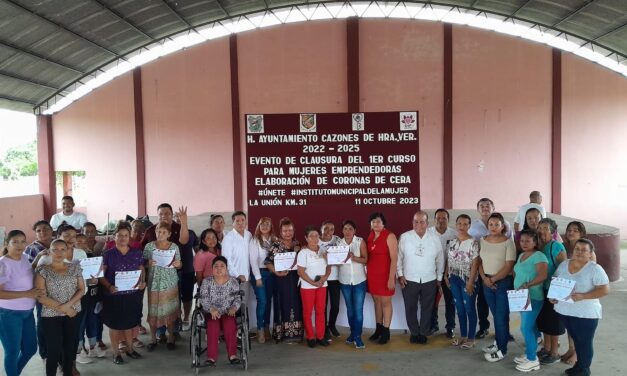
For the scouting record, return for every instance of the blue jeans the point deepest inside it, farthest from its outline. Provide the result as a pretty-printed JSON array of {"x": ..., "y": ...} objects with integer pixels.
[
  {"x": 499, "y": 306},
  {"x": 582, "y": 331},
  {"x": 19, "y": 339},
  {"x": 529, "y": 329},
  {"x": 88, "y": 325},
  {"x": 263, "y": 293},
  {"x": 354, "y": 296},
  {"x": 465, "y": 305}
]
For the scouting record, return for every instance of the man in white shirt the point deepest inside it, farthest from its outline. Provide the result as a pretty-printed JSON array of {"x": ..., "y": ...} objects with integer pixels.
[
  {"x": 68, "y": 215},
  {"x": 420, "y": 269},
  {"x": 445, "y": 234},
  {"x": 235, "y": 249},
  {"x": 535, "y": 202}
]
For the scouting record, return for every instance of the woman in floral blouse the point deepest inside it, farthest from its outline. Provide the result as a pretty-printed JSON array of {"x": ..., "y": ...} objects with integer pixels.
[{"x": 220, "y": 300}]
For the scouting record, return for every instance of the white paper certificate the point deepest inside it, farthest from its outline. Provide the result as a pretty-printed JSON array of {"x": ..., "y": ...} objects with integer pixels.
[
  {"x": 518, "y": 300},
  {"x": 561, "y": 289},
  {"x": 285, "y": 261},
  {"x": 164, "y": 258},
  {"x": 92, "y": 267},
  {"x": 337, "y": 255},
  {"x": 125, "y": 281}
]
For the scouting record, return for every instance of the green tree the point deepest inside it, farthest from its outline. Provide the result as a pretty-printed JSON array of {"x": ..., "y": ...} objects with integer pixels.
[{"x": 20, "y": 161}]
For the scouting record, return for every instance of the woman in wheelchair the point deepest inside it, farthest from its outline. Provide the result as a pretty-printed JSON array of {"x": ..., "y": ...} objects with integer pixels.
[{"x": 220, "y": 301}]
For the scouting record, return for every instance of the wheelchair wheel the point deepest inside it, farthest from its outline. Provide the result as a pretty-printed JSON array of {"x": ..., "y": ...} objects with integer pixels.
[
  {"x": 244, "y": 340},
  {"x": 197, "y": 339}
]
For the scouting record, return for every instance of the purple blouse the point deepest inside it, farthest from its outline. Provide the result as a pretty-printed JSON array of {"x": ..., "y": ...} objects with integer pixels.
[
  {"x": 115, "y": 261},
  {"x": 16, "y": 276}
]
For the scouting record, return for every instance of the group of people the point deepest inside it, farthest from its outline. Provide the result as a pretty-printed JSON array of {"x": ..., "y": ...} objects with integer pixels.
[{"x": 472, "y": 267}]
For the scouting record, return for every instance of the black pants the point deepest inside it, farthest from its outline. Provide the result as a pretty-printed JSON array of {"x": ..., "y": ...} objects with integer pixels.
[
  {"x": 449, "y": 308},
  {"x": 423, "y": 293},
  {"x": 333, "y": 299},
  {"x": 482, "y": 308},
  {"x": 60, "y": 334}
]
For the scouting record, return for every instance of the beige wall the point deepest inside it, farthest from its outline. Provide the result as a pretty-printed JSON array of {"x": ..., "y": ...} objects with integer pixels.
[
  {"x": 96, "y": 134},
  {"x": 20, "y": 213},
  {"x": 594, "y": 143},
  {"x": 501, "y": 116}
]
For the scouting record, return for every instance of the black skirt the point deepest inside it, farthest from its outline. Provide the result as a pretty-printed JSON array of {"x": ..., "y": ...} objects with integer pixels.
[
  {"x": 122, "y": 311},
  {"x": 549, "y": 321}
]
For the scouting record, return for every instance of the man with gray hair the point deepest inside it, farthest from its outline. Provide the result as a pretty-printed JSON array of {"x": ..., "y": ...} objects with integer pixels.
[{"x": 420, "y": 269}]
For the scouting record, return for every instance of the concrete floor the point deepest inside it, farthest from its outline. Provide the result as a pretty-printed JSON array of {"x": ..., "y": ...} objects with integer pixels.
[{"x": 397, "y": 358}]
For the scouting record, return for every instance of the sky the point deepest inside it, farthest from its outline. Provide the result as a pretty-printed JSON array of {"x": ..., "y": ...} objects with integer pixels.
[{"x": 16, "y": 128}]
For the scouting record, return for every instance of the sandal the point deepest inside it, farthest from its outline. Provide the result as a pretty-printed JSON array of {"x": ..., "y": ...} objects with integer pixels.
[
  {"x": 457, "y": 342},
  {"x": 210, "y": 362},
  {"x": 235, "y": 361},
  {"x": 467, "y": 345}
]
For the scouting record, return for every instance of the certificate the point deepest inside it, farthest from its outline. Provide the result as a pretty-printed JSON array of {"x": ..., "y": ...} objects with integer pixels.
[
  {"x": 561, "y": 289},
  {"x": 518, "y": 300},
  {"x": 164, "y": 259},
  {"x": 338, "y": 255},
  {"x": 284, "y": 261},
  {"x": 92, "y": 267},
  {"x": 126, "y": 281}
]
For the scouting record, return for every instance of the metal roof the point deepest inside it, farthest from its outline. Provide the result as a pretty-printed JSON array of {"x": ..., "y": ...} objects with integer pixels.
[{"x": 47, "y": 46}]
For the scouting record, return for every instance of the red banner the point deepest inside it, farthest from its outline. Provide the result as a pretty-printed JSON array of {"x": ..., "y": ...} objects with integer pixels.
[{"x": 333, "y": 166}]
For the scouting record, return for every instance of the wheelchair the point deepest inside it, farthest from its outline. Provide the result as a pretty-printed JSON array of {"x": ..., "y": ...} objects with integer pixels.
[{"x": 198, "y": 335}]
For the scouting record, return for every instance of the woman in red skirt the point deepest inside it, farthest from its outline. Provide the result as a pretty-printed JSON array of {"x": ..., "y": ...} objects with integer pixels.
[{"x": 381, "y": 274}]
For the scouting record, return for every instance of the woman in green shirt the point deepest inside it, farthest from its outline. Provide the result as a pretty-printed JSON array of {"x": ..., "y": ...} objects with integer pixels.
[{"x": 530, "y": 272}]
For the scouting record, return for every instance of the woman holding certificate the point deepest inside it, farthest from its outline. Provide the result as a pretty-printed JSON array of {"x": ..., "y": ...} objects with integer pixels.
[
  {"x": 162, "y": 259},
  {"x": 64, "y": 287},
  {"x": 581, "y": 318},
  {"x": 548, "y": 321},
  {"x": 290, "y": 329},
  {"x": 353, "y": 282},
  {"x": 17, "y": 300},
  {"x": 530, "y": 273},
  {"x": 382, "y": 258},
  {"x": 313, "y": 272},
  {"x": 122, "y": 307},
  {"x": 498, "y": 254}
]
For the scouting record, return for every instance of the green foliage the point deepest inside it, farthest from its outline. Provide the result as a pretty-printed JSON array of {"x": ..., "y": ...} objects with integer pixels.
[{"x": 19, "y": 161}]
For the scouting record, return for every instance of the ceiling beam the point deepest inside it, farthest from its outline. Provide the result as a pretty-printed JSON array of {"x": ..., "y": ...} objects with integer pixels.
[
  {"x": 61, "y": 27},
  {"x": 177, "y": 14},
  {"x": 18, "y": 100},
  {"x": 609, "y": 32},
  {"x": 124, "y": 19},
  {"x": 29, "y": 81},
  {"x": 573, "y": 13},
  {"x": 223, "y": 9},
  {"x": 37, "y": 56}
]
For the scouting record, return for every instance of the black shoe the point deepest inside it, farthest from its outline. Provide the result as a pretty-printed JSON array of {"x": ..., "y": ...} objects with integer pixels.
[
  {"x": 433, "y": 330},
  {"x": 482, "y": 333},
  {"x": 450, "y": 334},
  {"x": 322, "y": 342},
  {"x": 210, "y": 362},
  {"x": 385, "y": 336},
  {"x": 235, "y": 361},
  {"x": 118, "y": 359},
  {"x": 133, "y": 355},
  {"x": 413, "y": 339},
  {"x": 422, "y": 339},
  {"x": 334, "y": 331},
  {"x": 377, "y": 333},
  {"x": 151, "y": 346},
  {"x": 311, "y": 343}
]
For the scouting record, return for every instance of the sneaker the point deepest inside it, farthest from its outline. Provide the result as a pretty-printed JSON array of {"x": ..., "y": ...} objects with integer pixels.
[
  {"x": 359, "y": 344},
  {"x": 528, "y": 366},
  {"x": 83, "y": 357},
  {"x": 450, "y": 334},
  {"x": 494, "y": 357},
  {"x": 137, "y": 343},
  {"x": 549, "y": 359},
  {"x": 482, "y": 333},
  {"x": 490, "y": 349},
  {"x": 521, "y": 359},
  {"x": 323, "y": 342},
  {"x": 311, "y": 343},
  {"x": 186, "y": 326},
  {"x": 97, "y": 352},
  {"x": 542, "y": 353},
  {"x": 350, "y": 340}
]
